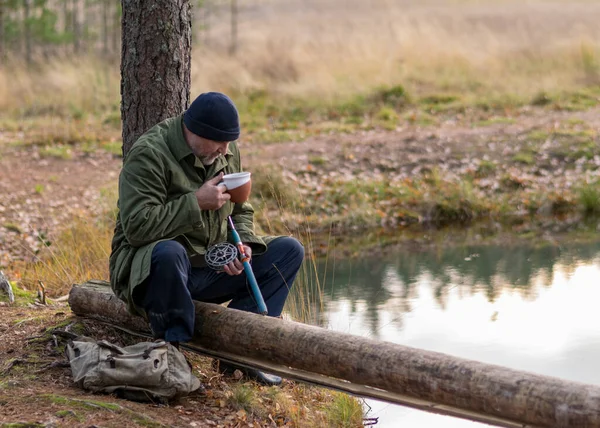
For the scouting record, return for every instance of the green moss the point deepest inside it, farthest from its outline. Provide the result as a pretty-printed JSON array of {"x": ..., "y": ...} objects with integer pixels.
[
  {"x": 573, "y": 121},
  {"x": 575, "y": 148},
  {"x": 393, "y": 96},
  {"x": 440, "y": 99},
  {"x": 59, "y": 151},
  {"x": 113, "y": 119},
  {"x": 22, "y": 425},
  {"x": 542, "y": 98},
  {"x": 13, "y": 227},
  {"x": 579, "y": 100},
  {"x": 538, "y": 135},
  {"x": 485, "y": 168},
  {"x": 496, "y": 121},
  {"x": 95, "y": 405},
  {"x": 317, "y": 160},
  {"x": 524, "y": 157},
  {"x": 22, "y": 297},
  {"x": 113, "y": 147},
  {"x": 387, "y": 118},
  {"x": 421, "y": 118},
  {"x": 69, "y": 414}
]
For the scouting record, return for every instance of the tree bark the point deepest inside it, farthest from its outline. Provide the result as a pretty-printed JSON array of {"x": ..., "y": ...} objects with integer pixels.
[
  {"x": 475, "y": 388},
  {"x": 76, "y": 28},
  {"x": 155, "y": 64}
]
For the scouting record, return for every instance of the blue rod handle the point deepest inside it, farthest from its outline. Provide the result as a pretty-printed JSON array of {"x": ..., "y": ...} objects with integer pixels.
[
  {"x": 260, "y": 302},
  {"x": 262, "y": 307}
]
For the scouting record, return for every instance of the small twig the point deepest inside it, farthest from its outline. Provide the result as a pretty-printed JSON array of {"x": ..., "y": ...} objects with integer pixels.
[
  {"x": 61, "y": 364},
  {"x": 6, "y": 286},
  {"x": 30, "y": 338},
  {"x": 12, "y": 364},
  {"x": 52, "y": 345},
  {"x": 49, "y": 349},
  {"x": 64, "y": 333},
  {"x": 367, "y": 422},
  {"x": 42, "y": 293},
  {"x": 24, "y": 321}
]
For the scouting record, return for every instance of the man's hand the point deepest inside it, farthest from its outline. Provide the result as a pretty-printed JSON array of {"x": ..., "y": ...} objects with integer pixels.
[
  {"x": 211, "y": 196},
  {"x": 236, "y": 267}
]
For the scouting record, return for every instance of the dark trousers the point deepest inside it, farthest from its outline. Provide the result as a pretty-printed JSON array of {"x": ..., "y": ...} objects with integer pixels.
[{"x": 167, "y": 293}]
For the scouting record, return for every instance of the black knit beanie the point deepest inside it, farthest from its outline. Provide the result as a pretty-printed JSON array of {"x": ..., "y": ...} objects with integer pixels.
[{"x": 213, "y": 116}]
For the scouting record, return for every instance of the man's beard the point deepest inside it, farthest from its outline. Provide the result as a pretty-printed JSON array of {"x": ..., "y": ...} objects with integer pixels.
[{"x": 209, "y": 159}]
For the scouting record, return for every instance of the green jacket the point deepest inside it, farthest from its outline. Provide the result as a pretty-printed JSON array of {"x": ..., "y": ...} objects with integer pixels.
[{"x": 157, "y": 202}]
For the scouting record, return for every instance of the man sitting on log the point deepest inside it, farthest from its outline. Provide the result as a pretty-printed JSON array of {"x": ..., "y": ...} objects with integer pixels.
[{"x": 172, "y": 209}]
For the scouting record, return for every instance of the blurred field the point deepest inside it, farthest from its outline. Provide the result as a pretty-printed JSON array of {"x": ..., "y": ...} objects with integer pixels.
[
  {"x": 332, "y": 47},
  {"x": 327, "y": 51}
]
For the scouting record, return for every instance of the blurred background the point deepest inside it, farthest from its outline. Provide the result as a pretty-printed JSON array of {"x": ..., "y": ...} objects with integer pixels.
[{"x": 319, "y": 51}]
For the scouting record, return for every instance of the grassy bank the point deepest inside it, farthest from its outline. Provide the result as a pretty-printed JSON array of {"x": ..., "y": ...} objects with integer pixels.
[{"x": 348, "y": 72}]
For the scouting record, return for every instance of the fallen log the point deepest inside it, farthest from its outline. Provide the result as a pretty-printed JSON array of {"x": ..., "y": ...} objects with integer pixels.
[{"x": 423, "y": 379}]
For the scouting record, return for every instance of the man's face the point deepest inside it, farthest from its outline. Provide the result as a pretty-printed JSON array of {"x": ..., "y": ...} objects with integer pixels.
[{"x": 205, "y": 150}]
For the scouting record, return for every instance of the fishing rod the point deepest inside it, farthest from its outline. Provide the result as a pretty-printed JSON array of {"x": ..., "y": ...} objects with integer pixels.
[{"x": 262, "y": 307}]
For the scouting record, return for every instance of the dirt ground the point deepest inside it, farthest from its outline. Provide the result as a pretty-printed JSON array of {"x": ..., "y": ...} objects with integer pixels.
[
  {"x": 36, "y": 387},
  {"x": 41, "y": 194}
]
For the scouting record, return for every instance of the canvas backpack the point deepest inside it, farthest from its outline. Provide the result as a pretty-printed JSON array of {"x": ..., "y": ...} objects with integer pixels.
[{"x": 147, "y": 371}]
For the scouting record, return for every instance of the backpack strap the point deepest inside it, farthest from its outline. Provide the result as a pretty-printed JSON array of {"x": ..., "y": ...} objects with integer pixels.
[{"x": 112, "y": 347}]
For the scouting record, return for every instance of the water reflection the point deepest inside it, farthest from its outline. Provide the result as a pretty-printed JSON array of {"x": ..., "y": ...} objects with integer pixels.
[
  {"x": 532, "y": 309},
  {"x": 369, "y": 283}
]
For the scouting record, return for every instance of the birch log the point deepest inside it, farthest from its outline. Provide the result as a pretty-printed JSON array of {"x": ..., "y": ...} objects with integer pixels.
[{"x": 520, "y": 398}]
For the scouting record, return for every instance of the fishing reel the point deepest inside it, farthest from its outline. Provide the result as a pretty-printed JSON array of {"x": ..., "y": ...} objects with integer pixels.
[{"x": 219, "y": 255}]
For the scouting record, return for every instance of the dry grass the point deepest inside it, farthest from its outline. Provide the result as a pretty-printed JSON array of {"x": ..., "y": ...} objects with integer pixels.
[
  {"x": 321, "y": 51},
  {"x": 78, "y": 252},
  {"x": 328, "y": 48},
  {"x": 59, "y": 88}
]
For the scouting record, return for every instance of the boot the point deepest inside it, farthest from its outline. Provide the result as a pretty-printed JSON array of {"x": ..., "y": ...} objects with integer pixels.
[{"x": 252, "y": 373}]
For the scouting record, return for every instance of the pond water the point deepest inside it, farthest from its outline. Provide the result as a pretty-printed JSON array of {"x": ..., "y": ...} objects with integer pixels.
[{"x": 533, "y": 309}]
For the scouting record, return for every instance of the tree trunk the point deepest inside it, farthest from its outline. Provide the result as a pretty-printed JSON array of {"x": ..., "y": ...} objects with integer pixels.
[
  {"x": 2, "y": 44},
  {"x": 76, "y": 27},
  {"x": 83, "y": 26},
  {"x": 68, "y": 20},
  {"x": 116, "y": 27},
  {"x": 485, "y": 392},
  {"x": 105, "y": 28},
  {"x": 155, "y": 64},
  {"x": 27, "y": 24}
]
